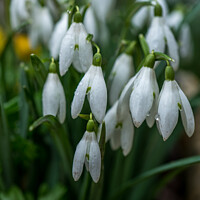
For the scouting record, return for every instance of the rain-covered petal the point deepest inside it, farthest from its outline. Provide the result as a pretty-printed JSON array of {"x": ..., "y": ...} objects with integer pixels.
[
  {"x": 115, "y": 140},
  {"x": 79, "y": 158},
  {"x": 85, "y": 49},
  {"x": 98, "y": 95},
  {"x": 127, "y": 133},
  {"x": 142, "y": 96},
  {"x": 94, "y": 159},
  {"x": 50, "y": 95},
  {"x": 120, "y": 74},
  {"x": 186, "y": 114},
  {"x": 76, "y": 61},
  {"x": 167, "y": 117},
  {"x": 155, "y": 35},
  {"x": 150, "y": 119},
  {"x": 79, "y": 95},
  {"x": 67, "y": 50},
  {"x": 172, "y": 47},
  {"x": 57, "y": 35}
]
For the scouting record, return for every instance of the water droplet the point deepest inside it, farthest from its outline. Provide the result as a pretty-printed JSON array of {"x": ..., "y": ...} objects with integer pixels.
[
  {"x": 77, "y": 93},
  {"x": 157, "y": 117},
  {"x": 148, "y": 114}
]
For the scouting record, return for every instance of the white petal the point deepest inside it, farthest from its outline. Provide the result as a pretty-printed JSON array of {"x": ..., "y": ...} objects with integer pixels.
[
  {"x": 67, "y": 50},
  {"x": 62, "y": 102},
  {"x": 79, "y": 159},
  {"x": 85, "y": 49},
  {"x": 168, "y": 108},
  {"x": 155, "y": 35},
  {"x": 150, "y": 119},
  {"x": 98, "y": 96},
  {"x": 50, "y": 95},
  {"x": 174, "y": 19},
  {"x": 90, "y": 23},
  {"x": 94, "y": 159},
  {"x": 122, "y": 71},
  {"x": 127, "y": 134},
  {"x": 80, "y": 93},
  {"x": 172, "y": 47},
  {"x": 187, "y": 114},
  {"x": 57, "y": 36},
  {"x": 76, "y": 61},
  {"x": 123, "y": 103},
  {"x": 111, "y": 121},
  {"x": 141, "y": 99},
  {"x": 115, "y": 140}
]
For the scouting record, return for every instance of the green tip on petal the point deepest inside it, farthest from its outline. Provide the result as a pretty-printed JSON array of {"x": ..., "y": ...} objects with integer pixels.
[
  {"x": 97, "y": 59},
  {"x": 90, "y": 126},
  {"x": 158, "y": 10},
  {"x": 169, "y": 73},
  {"x": 78, "y": 17},
  {"x": 150, "y": 60},
  {"x": 52, "y": 67}
]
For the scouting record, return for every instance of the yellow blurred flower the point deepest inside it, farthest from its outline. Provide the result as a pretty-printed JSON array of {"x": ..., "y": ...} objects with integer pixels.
[
  {"x": 22, "y": 47},
  {"x": 2, "y": 40}
]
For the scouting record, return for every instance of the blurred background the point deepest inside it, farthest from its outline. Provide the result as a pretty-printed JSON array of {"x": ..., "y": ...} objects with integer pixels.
[{"x": 36, "y": 164}]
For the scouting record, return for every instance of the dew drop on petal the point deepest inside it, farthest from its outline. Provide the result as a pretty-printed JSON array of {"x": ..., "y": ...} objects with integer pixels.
[{"x": 157, "y": 117}]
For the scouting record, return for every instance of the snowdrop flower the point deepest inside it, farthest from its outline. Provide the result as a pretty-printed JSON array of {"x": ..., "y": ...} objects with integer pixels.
[
  {"x": 171, "y": 100},
  {"x": 75, "y": 48},
  {"x": 88, "y": 152},
  {"x": 53, "y": 97},
  {"x": 92, "y": 84},
  {"x": 18, "y": 12},
  {"x": 185, "y": 37},
  {"x": 158, "y": 33},
  {"x": 122, "y": 71},
  {"x": 146, "y": 13},
  {"x": 57, "y": 35},
  {"x": 90, "y": 22},
  {"x": 119, "y": 129},
  {"x": 41, "y": 26}
]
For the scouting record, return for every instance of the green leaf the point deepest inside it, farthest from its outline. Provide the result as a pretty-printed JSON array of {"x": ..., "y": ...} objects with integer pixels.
[
  {"x": 144, "y": 45},
  {"x": 40, "y": 71},
  {"x": 186, "y": 162}
]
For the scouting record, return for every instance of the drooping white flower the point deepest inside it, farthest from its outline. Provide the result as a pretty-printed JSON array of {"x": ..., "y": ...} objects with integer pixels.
[
  {"x": 119, "y": 132},
  {"x": 88, "y": 152},
  {"x": 158, "y": 34},
  {"x": 53, "y": 97},
  {"x": 144, "y": 94},
  {"x": 18, "y": 12},
  {"x": 171, "y": 100},
  {"x": 185, "y": 37},
  {"x": 146, "y": 13},
  {"x": 90, "y": 22},
  {"x": 57, "y": 35},
  {"x": 122, "y": 71},
  {"x": 92, "y": 84},
  {"x": 41, "y": 26},
  {"x": 75, "y": 48}
]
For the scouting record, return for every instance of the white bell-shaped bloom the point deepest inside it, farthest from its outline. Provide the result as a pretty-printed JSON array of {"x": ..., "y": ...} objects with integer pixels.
[
  {"x": 122, "y": 71},
  {"x": 92, "y": 84},
  {"x": 120, "y": 133},
  {"x": 53, "y": 97},
  {"x": 41, "y": 26},
  {"x": 144, "y": 94},
  {"x": 157, "y": 34},
  {"x": 90, "y": 22},
  {"x": 171, "y": 100},
  {"x": 57, "y": 35},
  {"x": 76, "y": 49},
  {"x": 146, "y": 13},
  {"x": 88, "y": 152}
]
